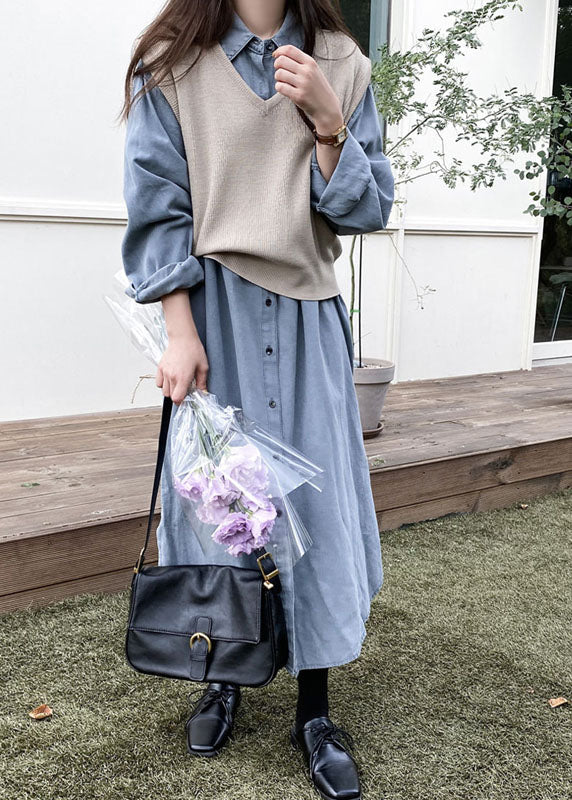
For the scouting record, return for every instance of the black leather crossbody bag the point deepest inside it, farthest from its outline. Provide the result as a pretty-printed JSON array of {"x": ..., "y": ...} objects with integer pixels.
[{"x": 205, "y": 622}]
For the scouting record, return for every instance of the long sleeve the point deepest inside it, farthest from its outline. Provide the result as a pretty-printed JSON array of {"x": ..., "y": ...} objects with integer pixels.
[
  {"x": 359, "y": 195},
  {"x": 156, "y": 247}
]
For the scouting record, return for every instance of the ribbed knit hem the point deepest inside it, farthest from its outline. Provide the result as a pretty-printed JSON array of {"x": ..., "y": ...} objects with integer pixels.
[{"x": 266, "y": 275}]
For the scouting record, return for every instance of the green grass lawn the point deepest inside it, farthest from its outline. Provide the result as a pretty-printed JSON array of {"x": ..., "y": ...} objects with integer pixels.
[{"x": 468, "y": 639}]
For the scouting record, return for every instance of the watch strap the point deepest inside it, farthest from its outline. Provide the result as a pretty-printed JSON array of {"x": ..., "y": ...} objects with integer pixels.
[{"x": 335, "y": 138}]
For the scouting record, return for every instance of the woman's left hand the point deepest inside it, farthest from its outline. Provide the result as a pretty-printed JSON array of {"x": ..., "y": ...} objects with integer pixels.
[{"x": 299, "y": 77}]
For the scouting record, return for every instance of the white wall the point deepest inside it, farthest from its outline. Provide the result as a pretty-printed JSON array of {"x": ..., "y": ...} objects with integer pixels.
[
  {"x": 61, "y": 208},
  {"x": 476, "y": 250},
  {"x": 62, "y": 218}
]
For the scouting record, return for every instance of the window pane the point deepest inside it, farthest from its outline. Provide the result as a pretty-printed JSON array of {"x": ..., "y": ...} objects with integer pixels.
[
  {"x": 554, "y": 301},
  {"x": 357, "y": 17}
]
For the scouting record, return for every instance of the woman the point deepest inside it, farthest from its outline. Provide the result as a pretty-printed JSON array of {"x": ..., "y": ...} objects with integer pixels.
[{"x": 242, "y": 167}]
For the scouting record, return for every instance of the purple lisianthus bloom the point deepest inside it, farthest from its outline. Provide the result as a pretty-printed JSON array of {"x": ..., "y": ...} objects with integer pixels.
[
  {"x": 244, "y": 468},
  {"x": 236, "y": 533},
  {"x": 262, "y": 517},
  {"x": 245, "y": 531},
  {"x": 212, "y": 513},
  {"x": 212, "y": 493},
  {"x": 219, "y": 490},
  {"x": 192, "y": 485}
]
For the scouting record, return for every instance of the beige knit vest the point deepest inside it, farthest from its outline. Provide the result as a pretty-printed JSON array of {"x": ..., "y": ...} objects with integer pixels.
[{"x": 249, "y": 168}]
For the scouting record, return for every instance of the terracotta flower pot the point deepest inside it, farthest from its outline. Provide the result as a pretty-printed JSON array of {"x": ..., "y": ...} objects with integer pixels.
[{"x": 371, "y": 381}]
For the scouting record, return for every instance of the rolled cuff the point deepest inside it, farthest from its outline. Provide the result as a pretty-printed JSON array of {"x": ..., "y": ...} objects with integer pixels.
[
  {"x": 181, "y": 275},
  {"x": 349, "y": 180}
]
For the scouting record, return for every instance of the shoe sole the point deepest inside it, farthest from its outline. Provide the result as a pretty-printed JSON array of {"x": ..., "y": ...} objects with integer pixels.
[
  {"x": 296, "y": 746},
  {"x": 203, "y": 753}
]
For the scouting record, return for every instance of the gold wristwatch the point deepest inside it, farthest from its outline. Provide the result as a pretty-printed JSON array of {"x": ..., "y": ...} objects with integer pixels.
[{"x": 335, "y": 139}]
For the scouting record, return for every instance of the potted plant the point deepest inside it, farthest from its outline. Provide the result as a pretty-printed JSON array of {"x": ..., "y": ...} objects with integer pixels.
[{"x": 372, "y": 376}]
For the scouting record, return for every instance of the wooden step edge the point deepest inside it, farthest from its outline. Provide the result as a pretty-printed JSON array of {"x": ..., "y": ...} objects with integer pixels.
[
  {"x": 468, "y": 454},
  {"x": 135, "y": 516},
  {"x": 104, "y": 582}
]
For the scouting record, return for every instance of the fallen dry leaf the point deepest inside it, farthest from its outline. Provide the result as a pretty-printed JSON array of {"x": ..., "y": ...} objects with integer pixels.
[
  {"x": 41, "y": 712},
  {"x": 554, "y": 702}
]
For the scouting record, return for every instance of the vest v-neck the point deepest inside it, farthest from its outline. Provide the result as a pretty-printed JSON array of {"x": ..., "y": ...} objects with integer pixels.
[{"x": 255, "y": 99}]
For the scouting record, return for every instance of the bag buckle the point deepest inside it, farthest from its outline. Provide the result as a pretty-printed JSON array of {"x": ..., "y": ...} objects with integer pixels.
[
  {"x": 201, "y": 635},
  {"x": 201, "y": 645},
  {"x": 266, "y": 575}
]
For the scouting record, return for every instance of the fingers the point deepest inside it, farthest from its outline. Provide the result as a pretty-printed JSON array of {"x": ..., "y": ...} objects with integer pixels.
[
  {"x": 201, "y": 376},
  {"x": 283, "y": 76},
  {"x": 290, "y": 66},
  {"x": 179, "y": 391},
  {"x": 286, "y": 70},
  {"x": 292, "y": 52},
  {"x": 294, "y": 78},
  {"x": 286, "y": 89},
  {"x": 182, "y": 363},
  {"x": 177, "y": 387}
]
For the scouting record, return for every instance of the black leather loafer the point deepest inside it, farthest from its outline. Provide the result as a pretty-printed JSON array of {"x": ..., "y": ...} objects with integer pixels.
[
  {"x": 212, "y": 718},
  {"x": 333, "y": 770}
]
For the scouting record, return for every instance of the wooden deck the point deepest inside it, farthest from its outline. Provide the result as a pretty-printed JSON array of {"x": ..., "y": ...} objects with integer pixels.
[{"x": 74, "y": 490}]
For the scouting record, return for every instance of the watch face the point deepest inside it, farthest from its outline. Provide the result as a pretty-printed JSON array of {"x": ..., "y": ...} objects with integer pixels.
[{"x": 342, "y": 136}]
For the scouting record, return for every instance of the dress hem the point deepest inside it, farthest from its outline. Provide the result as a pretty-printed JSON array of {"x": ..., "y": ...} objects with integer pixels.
[{"x": 345, "y": 660}]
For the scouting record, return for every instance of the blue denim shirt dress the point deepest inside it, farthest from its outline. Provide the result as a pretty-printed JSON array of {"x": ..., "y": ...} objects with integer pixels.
[{"x": 287, "y": 363}]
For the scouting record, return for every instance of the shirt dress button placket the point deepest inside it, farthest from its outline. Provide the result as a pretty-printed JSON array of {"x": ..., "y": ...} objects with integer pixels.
[
  {"x": 273, "y": 400},
  {"x": 269, "y": 346}
]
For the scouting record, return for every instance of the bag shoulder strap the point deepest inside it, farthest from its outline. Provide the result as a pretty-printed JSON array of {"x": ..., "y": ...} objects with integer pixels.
[
  {"x": 163, "y": 432},
  {"x": 261, "y": 553}
]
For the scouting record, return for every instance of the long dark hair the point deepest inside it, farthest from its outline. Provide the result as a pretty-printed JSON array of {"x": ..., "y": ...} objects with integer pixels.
[{"x": 183, "y": 23}]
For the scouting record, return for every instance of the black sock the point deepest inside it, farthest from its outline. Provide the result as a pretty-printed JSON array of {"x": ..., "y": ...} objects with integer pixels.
[{"x": 312, "y": 695}]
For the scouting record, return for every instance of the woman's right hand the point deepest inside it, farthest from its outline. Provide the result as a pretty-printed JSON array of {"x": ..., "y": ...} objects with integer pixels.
[{"x": 183, "y": 360}]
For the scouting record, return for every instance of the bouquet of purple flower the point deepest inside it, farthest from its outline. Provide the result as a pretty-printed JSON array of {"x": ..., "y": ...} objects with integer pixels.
[
  {"x": 232, "y": 495},
  {"x": 233, "y": 479}
]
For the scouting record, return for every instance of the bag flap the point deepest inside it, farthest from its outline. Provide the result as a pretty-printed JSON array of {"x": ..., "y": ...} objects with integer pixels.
[{"x": 168, "y": 600}]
